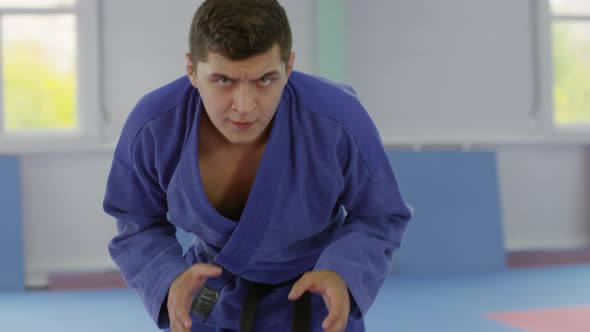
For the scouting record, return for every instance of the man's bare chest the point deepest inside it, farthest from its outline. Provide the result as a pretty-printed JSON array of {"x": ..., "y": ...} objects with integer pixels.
[{"x": 227, "y": 182}]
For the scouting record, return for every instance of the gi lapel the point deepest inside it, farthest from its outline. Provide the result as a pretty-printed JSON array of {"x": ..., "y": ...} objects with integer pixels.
[
  {"x": 204, "y": 221},
  {"x": 261, "y": 201},
  {"x": 239, "y": 241}
]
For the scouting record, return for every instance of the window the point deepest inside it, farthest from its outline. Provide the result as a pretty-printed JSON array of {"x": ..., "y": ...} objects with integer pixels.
[
  {"x": 48, "y": 68},
  {"x": 571, "y": 61}
]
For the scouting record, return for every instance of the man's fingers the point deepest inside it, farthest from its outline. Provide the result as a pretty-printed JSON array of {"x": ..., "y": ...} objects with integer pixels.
[
  {"x": 200, "y": 271},
  {"x": 305, "y": 283},
  {"x": 178, "y": 313},
  {"x": 297, "y": 289},
  {"x": 183, "y": 318},
  {"x": 338, "y": 323},
  {"x": 175, "y": 324},
  {"x": 335, "y": 313},
  {"x": 182, "y": 291},
  {"x": 335, "y": 323},
  {"x": 199, "y": 274},
  {"x": 178, "y": 326},
  {"x": 180, "y": 322},
  {"x": 178, "y": 310},
  {"x": 337, "y": 318}
]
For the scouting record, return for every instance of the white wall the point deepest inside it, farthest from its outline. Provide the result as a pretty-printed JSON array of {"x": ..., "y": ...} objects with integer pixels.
[
  {"x": 543, "y": 188},
  {"x": 64, "y": 226},
  {"x": 144, "y": 46},
  {"x": 453, "y": 68},
  {"x": 545, "y": 192}
]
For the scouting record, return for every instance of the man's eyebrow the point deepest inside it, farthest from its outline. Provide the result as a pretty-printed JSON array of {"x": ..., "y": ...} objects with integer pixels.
[
  {"x": 219, "y": 75},
  {"x": 269, "y": 73}
]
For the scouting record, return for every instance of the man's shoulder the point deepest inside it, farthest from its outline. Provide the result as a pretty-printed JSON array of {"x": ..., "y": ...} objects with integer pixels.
[
  {"x": 314, "y": 91},
  {"x": 162, "y": 100},
  {"x": 171, "y": 97},
  {"x": 337, "y": 105},
  {"x": 163, "y": 107},
  {"x": 320, "y": 97}
]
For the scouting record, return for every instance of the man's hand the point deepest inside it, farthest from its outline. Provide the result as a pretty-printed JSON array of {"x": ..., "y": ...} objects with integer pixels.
[
  {"x": 334, "y": 292},
  {"x": 181, "y": 293}
]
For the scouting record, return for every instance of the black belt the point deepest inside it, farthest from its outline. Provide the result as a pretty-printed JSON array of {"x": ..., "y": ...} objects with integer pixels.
[
  {"x": 208, "y": 296},
  {"x": 301, "y": 314}
]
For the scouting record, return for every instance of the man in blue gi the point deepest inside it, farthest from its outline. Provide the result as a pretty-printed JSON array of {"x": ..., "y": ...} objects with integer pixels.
[{"x": 281, "y": 176}]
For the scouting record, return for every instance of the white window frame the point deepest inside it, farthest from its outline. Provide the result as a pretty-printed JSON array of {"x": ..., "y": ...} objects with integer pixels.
[{"x": 89, "y": 108}]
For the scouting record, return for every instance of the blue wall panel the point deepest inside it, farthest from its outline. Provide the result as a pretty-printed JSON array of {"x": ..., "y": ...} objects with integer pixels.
[
  {"x": 11, "y": 234},
  {"x": 457, "y": 225}
]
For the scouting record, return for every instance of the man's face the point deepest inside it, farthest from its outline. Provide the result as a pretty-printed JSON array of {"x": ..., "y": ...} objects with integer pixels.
[{"x": 241, "y": 97}]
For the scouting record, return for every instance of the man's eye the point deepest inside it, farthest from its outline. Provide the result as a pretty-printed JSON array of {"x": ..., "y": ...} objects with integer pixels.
[
  {"x": 266, "y": 80},
  {"x": 223, "y": 81}
]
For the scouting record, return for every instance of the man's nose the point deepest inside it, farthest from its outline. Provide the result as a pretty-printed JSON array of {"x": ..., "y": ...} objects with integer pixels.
[{"x": 244, "y": 99}]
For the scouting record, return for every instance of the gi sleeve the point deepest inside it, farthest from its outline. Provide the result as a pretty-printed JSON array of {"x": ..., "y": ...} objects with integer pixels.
[
  {"x": 145, "y": 249},
  {"x": 377, "y": 216}
]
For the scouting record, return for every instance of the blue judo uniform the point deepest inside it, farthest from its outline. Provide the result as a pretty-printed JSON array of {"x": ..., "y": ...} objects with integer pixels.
[{"x": 324, "y": 198}]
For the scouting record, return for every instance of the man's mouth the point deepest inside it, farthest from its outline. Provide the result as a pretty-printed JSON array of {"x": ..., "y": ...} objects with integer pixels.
[{"x": 242, "y": 125}]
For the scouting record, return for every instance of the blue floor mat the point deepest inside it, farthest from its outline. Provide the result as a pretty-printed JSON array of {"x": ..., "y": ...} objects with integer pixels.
[{"x": 406, "y": 303}]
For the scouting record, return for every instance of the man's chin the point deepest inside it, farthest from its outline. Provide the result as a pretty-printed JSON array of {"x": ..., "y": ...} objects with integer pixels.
[{"x": 242, "y": 140}]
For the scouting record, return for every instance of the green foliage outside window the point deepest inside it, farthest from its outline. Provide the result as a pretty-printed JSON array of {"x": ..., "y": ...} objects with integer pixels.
[
  {"x": 37, "y": 95},
  {"x": 571, "y": 61}
]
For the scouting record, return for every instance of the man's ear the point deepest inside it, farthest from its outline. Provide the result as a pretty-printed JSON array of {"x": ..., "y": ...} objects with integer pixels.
[
  {"x": 290, "y": 64},
  {"x": 191, "y": 70}
]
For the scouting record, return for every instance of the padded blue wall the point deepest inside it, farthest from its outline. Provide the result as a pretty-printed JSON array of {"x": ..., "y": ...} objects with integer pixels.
[
  {"x": 457, "y": 225},
  {"x": 11, "y": 234}
]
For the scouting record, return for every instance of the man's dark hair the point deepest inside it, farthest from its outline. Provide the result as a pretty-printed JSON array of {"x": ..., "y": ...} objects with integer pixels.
[{"x": 239, "y": 29}]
